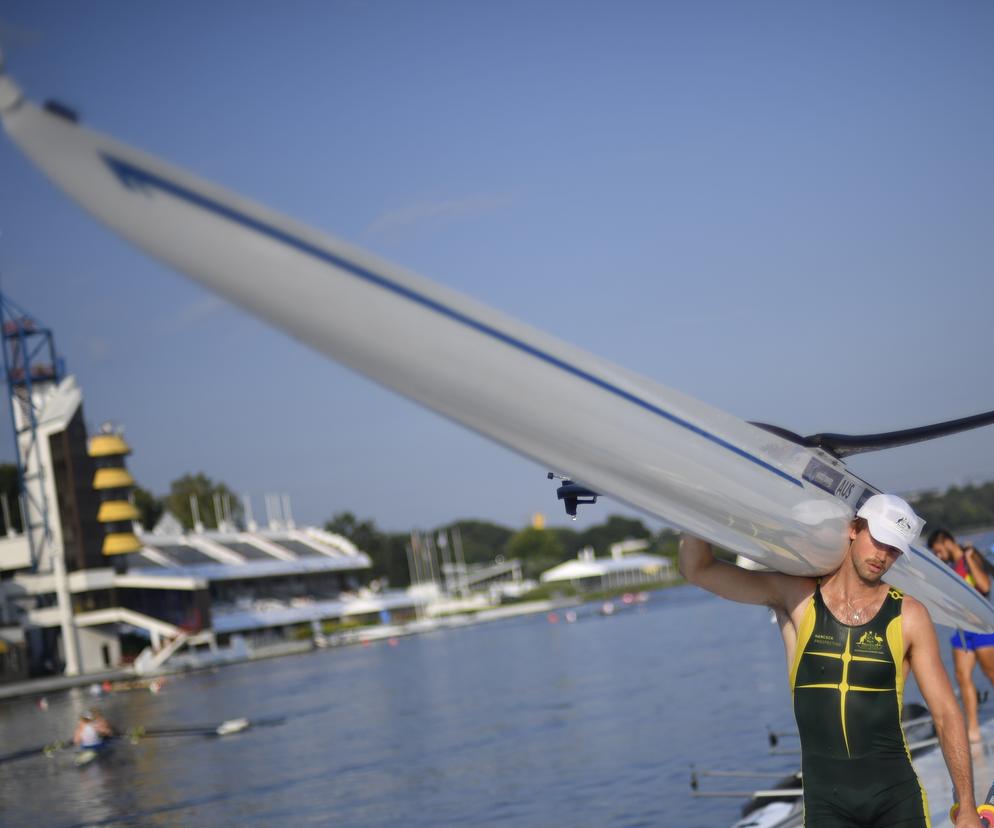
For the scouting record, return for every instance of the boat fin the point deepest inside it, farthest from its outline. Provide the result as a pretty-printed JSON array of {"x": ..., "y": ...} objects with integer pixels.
[{"x": 844, "y": 445}]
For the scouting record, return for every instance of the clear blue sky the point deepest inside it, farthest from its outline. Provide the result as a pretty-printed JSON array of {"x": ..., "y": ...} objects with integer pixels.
[{"x": 784, "y": 209}]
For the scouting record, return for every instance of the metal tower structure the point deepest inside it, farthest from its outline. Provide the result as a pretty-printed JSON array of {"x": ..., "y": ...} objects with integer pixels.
[
  {"x": 42, "y": 402},
  {"x": 31, "y": 367}
]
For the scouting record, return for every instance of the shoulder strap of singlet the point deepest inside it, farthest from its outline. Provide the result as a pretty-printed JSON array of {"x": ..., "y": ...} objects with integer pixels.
[
  {"x": 895, "y": 641},
  {"x": 894, "y": 602}
]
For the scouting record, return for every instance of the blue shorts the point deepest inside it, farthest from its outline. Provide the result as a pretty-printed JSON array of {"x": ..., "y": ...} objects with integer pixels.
[{"x": 962, "y": 640}]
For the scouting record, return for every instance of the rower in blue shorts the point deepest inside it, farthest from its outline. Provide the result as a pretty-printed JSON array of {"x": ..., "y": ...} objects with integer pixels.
[{"x": 968, "y": 647}]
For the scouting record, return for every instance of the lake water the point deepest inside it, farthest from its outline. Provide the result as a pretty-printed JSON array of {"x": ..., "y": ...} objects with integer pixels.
[{"x": 514, "y": 723}]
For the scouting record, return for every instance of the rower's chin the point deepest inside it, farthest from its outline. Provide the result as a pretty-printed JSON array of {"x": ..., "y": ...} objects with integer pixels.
[{"x": 872, "y": 576}]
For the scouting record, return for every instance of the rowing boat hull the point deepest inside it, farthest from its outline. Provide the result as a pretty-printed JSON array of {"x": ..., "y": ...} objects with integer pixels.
[
  {"x": 780, "y": 504},
  {"x": 87, "y": 756}
]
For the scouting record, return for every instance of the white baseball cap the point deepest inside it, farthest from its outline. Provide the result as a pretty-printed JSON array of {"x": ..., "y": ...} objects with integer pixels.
[{"x": 892, "y": 521}]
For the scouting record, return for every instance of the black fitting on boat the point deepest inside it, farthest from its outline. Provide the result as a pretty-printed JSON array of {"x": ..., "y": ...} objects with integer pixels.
[
  {"x": 62, "y": 111},
  {"x": 573, "y": 495}
]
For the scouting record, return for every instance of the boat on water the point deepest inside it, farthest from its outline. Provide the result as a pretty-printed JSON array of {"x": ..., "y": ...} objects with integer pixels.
[{"x": 88, "y": 755}]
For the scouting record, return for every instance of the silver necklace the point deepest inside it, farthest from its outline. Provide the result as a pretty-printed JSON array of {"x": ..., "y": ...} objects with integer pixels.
[{"x": 854, "y": 613}]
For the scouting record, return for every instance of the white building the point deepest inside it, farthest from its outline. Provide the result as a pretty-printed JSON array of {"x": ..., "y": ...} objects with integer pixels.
[{"x": 618, "y": 570}]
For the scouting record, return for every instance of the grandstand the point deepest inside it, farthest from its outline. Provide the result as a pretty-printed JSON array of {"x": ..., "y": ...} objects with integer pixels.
[
  {"x": 200, "y": 589},
  {"x": 83, "y": 589}
]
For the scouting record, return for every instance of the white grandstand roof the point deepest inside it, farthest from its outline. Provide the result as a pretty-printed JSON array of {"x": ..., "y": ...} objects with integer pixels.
[
  {"x": 228, "y": 555},
  {"x": 578, "y": 569}
]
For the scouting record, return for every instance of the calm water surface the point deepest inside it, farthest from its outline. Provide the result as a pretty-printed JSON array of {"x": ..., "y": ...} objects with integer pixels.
[{"x": 514, "y": 723}]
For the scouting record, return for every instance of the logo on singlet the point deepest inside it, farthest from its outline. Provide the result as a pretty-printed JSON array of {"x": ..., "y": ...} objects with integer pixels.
[{"x": 870, "y": 641}]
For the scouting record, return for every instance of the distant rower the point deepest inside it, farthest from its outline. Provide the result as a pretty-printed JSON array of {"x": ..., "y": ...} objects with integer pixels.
[{"x": 91, "y": 731}]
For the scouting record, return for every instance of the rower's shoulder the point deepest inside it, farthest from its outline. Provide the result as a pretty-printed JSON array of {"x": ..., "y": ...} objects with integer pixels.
[
  {"x": 915, "y": 616},
  {"x": 912, "y": 607}
]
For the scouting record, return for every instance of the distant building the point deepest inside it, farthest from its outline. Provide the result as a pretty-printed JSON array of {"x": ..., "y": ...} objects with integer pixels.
[
  {"x": 198, "y": 589},
  {"x": 500, "y": 579},
  {"x": 627, "y": 565},
  {"x": 84, "y": 589}
]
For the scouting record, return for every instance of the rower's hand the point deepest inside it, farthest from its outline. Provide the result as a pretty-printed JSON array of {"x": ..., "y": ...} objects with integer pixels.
[{"x": 969, "y": 819}]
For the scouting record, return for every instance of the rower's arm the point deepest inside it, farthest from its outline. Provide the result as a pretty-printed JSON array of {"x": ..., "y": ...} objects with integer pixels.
[
  {"x": 976, "y": 567},
  {"x": 923, "y": 656},
  {"x": 700, "y": 567}
]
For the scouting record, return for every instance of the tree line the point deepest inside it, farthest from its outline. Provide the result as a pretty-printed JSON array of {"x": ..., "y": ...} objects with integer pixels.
[
  {"x": 483, "y": 542},
  {"x": 958, "y": 508}
]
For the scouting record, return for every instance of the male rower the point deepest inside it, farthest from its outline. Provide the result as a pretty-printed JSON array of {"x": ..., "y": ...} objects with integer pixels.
[
  {"x": 850, "y": 641},
  {"x": 91, "y": 731}
]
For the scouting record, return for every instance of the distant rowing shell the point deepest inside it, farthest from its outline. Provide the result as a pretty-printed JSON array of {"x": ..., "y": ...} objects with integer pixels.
[
  {"x": 86, "y": 756},
  {"x": 757, "y": 493}
]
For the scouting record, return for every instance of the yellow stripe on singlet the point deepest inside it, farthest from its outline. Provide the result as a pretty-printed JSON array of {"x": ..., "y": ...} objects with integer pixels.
[
  {"x": 895, "y": 640},
  {"x": 844, "y": 688},
  {"x": 803, "y": 637}
]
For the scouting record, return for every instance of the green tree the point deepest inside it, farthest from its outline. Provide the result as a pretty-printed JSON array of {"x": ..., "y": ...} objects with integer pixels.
[
  {"x": 149, "y": 506},
  {"x": 958, "y": 508},
  {"x": 203, "y": 488},
  {"x": 615, "y": 529},
  {"x": 600, "y": 536},
  {"x": 571, "y": 540},
  {"x": 537, "y": 549},
  {"x": 388, "y": 552},
  {"x": 666, "y": 542},
  {"x": 481, "y": 541}
]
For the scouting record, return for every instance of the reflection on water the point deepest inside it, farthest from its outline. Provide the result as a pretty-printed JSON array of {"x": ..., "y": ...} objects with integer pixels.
[{"x": 517, "y": 723}]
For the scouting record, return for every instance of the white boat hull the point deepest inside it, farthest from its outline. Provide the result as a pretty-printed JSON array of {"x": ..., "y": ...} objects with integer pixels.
[{"x": 775, "y": 502}]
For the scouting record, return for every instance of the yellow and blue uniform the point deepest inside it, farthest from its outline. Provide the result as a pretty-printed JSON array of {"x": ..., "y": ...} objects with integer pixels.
[
  {"x": 963, "y": 640},
  {"x": 848, "y": 688}
]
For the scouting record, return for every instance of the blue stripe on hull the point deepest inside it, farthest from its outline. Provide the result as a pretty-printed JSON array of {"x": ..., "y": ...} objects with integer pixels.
[{"x": 135, "y": 178}]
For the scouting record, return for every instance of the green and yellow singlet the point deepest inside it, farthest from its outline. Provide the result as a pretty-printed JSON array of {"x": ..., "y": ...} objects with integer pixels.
[{"x": 848, "y": 688}]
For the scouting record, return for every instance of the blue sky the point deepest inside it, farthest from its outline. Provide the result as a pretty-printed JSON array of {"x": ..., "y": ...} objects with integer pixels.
[{"x": 785, "y": 210}]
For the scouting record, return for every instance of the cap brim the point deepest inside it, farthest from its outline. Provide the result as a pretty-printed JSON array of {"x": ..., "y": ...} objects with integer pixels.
[{"x": 882, "y": 534}]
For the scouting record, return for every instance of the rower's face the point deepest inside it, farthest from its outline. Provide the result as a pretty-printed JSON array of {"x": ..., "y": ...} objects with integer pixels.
[
  {"x": 940, "y": 550},
  {"x": 871, "y": 558}
]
